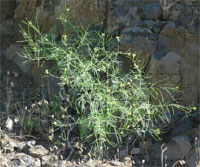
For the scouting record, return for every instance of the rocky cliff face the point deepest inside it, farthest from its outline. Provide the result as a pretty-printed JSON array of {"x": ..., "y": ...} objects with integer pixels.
[{"x": 165, "y": 33}]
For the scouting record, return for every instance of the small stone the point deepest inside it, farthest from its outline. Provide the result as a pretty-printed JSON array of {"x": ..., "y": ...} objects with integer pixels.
[
  {"x": 8, "y": 144},
  {"x": 90, "y": 163},
  {"x": 48, "y": 159},
  {"x": 123, "y": 153},
  {"x": 128, "y": 162},
  {"x": 25, "y": 146},
  {"x": 38, "y": 151},
  {"x": 3, "y": 162},
  {"x": 22, "y": 160},
  {"x": 64, "y": 163},
  {"x": 115, "y": 163},
  {"x": 136, "y": 151},
  {"x": 21, "y": 146}
]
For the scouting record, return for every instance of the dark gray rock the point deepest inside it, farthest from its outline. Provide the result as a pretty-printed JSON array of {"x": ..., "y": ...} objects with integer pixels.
[
  {"x": 1, "y": 71},
  {"x": 163, "y": 41},
  {"x": 24, "y": 66},
  {"x": 118, "y": 3},
  {"x": 136, "y": 31},
  {"x": 123, "y": 152},
  {"x": 2, "y": 106},
  {"x": 138, "y": 44},
  {"x": 143, "y": 23},
  {"x": 185, "y": 21},
  {"x": 192, "y": 158},
  {"x": 153, "y": 37},
  {"x": 151, "y": 11},
  {"x": 160, "y": 53},
  {"x": 183, "y": 127},
  {"x": 51, "y": 86},
  {"x": 172, "y": 150},
  {"x": 158, "y": 26},
  {"x": 184, "y": 143},
  {"x": 119, "y": 11},
  {"x": 7, "y": 8}
]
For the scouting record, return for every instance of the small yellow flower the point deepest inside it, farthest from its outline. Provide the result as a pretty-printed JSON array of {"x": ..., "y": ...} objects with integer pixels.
[
  {"x": 128, "y": 113},
  {"x": 194, "y": 108},
  {"x": 51, "y": 130},
  {"x": 133, "y": 55},
  {"x": 64, "y": 37},
  {"x": 46, "y": 71},
  {"x": 67, "y": 9},
  {"x": 30, "y": 22},
  {"x": 136, "y": 66},
  {"x": 51, "y": 137},
  {"x": 118, "y": 38},
  {"x": 122, "y": 85}
]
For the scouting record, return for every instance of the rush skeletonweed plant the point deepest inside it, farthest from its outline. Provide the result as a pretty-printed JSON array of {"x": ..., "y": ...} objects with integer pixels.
[{"x": 107, "y": 103}]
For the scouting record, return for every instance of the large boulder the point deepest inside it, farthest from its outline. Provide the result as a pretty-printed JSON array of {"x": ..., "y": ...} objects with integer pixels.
[
  {"x": 186, "y": 44},
  {"x": 7, "y": 8},
  {"x": 84, "y": 12},
  {"x": 138, "y": 44},
  {"x": 151, "y": 11},
  {"x": 15, "y": 54},
  {"x": 34, "y": 10}
]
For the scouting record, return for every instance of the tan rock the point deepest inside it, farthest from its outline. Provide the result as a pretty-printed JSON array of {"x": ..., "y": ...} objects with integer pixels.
[{"x": 38, "y": 151}]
